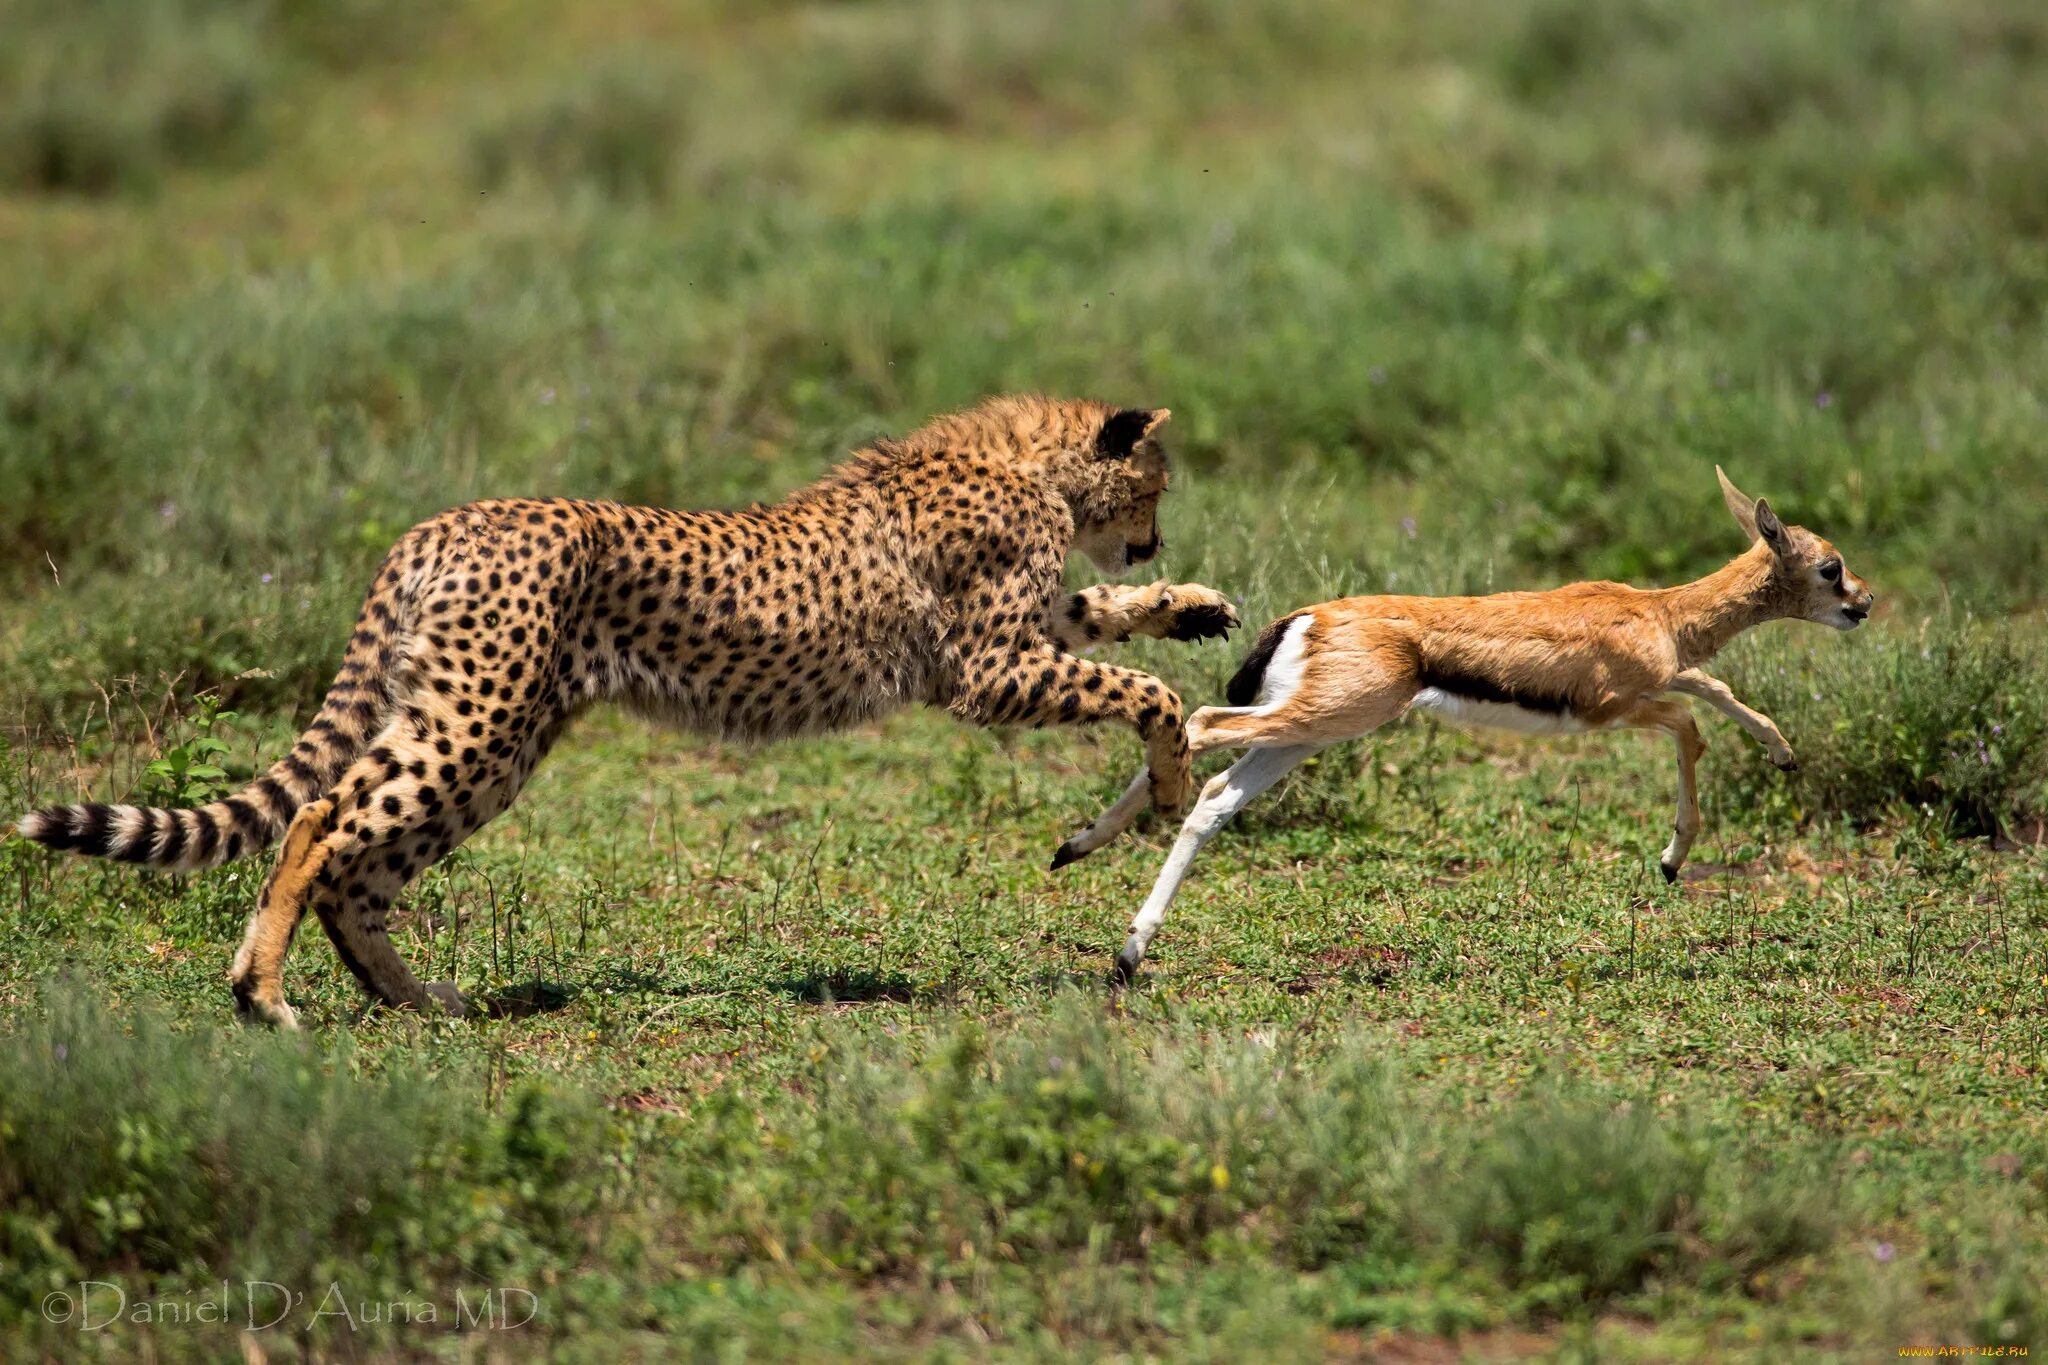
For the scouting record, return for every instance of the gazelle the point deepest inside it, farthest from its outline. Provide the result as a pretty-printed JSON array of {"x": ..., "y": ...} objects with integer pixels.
[{"x": 1591, "y": 656}]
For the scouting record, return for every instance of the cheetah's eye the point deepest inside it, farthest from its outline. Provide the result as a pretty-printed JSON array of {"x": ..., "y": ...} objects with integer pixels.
[{"x": 1832, "y": 570}]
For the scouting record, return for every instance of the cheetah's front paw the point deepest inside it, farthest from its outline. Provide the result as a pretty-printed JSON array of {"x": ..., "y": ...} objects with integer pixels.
[{"x": 1194, "y": 612}]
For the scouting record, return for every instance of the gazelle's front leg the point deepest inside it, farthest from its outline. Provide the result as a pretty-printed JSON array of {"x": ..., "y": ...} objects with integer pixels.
[
  {"x": 1673, "y": 719},
  {"x": 1116, "y": 611},
  {"x": 1755, "y": 724}
]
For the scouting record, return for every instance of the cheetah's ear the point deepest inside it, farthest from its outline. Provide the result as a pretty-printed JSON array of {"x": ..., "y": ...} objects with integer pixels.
[{"x": 1122, "y": 432}]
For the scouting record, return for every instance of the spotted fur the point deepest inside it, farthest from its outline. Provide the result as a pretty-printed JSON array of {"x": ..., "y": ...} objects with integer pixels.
[{"x": 925, "y": 569}]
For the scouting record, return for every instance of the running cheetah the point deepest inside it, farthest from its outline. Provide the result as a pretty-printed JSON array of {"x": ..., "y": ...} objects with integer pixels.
[{"x": 925, "y": 569}]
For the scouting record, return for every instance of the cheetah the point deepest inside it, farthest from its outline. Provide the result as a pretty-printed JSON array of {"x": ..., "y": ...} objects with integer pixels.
[{"x": 923, "y": 569}]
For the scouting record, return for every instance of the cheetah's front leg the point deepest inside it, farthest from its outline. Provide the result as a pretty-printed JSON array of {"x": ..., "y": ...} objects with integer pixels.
[
  {"x": 1117, "y": 611},
  {"x": 1041, "y": 686}
]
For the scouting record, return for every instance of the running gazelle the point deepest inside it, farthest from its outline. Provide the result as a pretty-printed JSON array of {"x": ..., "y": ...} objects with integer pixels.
[{"x": 1591, "y": 656}]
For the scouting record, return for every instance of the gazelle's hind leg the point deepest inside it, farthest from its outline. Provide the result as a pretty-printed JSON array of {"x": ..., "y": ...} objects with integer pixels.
[
  {"x": 1674, "y": 719},
  {"x": 1227, "y": 793},
  {"x": 1330, "y": 704}
]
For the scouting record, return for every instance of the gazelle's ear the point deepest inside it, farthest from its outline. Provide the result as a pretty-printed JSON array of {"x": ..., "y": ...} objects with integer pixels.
[
  {"x": 1771, "y": 529},
  {"x": 1740, "y": 505},
  {"x": 1122, "y": 432}
]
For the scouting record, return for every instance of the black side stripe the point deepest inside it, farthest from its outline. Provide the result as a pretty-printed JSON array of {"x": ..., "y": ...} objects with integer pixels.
[{"x": 1475, "y": 687}]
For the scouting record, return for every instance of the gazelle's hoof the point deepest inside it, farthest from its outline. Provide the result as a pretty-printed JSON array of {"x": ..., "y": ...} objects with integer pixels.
[
  {"x": 1126, "y": 968},
  {"x": 1670, "y": 872},
  {"x": 1067, "y": 853}
]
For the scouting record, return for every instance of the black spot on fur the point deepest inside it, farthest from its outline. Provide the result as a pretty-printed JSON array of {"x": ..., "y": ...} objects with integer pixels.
[{"x": 1243, "y": 687}]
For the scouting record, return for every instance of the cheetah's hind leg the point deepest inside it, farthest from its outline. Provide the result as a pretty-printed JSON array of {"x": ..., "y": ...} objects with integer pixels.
[
  {"x": 1112, "y": 822},
  {"x": 257, "y": 977}
]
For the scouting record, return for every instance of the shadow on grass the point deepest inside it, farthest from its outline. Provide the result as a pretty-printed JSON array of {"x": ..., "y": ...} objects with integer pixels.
[
  {"x": 850, "y": 988},
  {"x": 825, "y": 986},
  {"x": 821, "y": 987},
  {"x": 527, "y": 999}
]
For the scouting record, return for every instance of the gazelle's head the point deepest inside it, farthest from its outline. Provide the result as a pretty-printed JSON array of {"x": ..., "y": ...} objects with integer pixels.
[{"x": 1809, "y": 573}]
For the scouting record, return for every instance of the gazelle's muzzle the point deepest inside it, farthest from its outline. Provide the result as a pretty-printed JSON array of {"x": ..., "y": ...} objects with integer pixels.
[{"x": 1857, "y": 609}]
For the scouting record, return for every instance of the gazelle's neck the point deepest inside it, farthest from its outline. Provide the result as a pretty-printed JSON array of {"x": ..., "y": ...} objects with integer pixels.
[{"x": 1709, "y": 612}]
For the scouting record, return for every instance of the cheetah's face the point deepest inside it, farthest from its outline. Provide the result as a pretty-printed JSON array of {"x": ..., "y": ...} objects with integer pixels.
[{"x": 1116, "y": 511}]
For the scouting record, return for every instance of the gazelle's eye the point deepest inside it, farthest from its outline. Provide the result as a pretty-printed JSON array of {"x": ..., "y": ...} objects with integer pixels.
[{"x": 1832, "y": 570}]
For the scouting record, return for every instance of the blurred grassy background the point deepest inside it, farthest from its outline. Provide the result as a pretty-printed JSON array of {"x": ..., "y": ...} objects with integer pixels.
[
  {"x": 288, "y": 276},
  {"x": 1462, "y": 295}
]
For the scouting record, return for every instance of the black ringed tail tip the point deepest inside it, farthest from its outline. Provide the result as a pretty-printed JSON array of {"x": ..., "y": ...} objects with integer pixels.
[{"x": 72, "y": 829}]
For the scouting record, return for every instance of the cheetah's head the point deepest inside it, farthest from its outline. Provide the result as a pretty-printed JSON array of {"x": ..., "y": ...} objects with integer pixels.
[{"x": 1114, "y": 490}]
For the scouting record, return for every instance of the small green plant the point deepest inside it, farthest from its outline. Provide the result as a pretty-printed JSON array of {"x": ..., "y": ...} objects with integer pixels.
[
  {"x": 1944, "y": 720},
  {"x": 191, "y": 773}
]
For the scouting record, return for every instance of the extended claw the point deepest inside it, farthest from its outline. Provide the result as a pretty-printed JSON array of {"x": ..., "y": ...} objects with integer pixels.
[{"x": 1203, "y": 620}]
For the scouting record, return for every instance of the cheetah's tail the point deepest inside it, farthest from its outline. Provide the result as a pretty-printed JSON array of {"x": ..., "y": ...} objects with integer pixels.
[{"x": 355, "y": 708}]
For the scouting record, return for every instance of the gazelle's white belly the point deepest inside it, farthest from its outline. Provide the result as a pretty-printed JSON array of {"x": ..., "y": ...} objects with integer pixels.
[{"x": 1495, "y": 715}]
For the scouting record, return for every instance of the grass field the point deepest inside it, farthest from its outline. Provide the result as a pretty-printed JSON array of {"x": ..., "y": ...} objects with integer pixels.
[{"x": 799, "y": 1049}]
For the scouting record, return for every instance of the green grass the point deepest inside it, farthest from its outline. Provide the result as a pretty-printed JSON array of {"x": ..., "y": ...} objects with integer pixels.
[{"x": 800, "y": 1048}]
